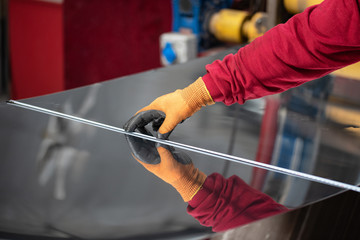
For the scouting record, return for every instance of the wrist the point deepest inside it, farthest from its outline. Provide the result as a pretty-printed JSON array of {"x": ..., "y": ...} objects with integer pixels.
[
  {"x": 196, "y": 95},
  {"x": 190, "y": 184}
]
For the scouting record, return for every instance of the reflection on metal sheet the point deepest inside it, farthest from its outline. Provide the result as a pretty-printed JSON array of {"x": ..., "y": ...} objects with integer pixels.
[{"x": 61, "y": 178}]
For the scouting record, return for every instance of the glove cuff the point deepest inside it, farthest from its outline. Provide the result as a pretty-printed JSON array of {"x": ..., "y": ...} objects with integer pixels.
[
  {"x": 196, "y": 95},
  {"x": 190, "y": 184}
]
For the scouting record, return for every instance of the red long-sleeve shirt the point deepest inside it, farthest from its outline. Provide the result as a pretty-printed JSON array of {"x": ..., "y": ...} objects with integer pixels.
[{"x": 314, "y": 43}]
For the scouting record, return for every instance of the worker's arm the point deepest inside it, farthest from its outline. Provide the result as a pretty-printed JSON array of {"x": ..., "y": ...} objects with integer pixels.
[
  {"x": 228, "y": 203},
  {"x": 311, "y": 44}
]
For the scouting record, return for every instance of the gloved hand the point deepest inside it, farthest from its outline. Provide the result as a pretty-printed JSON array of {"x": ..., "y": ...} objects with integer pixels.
[
  {"x": 179, "y": 105},
  {"x": 165, "y": 162}
]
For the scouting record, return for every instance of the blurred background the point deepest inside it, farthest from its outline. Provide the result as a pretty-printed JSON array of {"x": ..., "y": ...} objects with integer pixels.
[{"x": 55, "y": 45}]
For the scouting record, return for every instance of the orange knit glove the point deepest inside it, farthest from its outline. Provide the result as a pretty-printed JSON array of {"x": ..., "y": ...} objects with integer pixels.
[
  {"x": 179, "y": 105},
  {"x": 171, "y": 166}
]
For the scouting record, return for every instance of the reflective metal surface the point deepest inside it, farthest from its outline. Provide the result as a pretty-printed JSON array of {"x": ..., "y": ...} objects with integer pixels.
[
  {"x": 201, "y": 151},
  {"x": 62, "y": 178}
]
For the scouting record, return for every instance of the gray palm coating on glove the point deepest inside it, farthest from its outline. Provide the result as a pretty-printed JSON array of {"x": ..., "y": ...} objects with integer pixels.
[{"x": 145, "y": 150}]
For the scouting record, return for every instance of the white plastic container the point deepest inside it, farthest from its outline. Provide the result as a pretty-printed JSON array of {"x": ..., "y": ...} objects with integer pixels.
[{"x": 177, "y": 48}]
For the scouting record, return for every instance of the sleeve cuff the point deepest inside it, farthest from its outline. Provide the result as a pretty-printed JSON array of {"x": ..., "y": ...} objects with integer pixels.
[
  {"x": 203, "y": 193},
  {"x": 212, "y": 89}
]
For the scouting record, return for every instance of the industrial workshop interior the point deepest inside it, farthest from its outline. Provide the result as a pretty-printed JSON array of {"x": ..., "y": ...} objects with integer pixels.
[{"x": 180, "y": 119}]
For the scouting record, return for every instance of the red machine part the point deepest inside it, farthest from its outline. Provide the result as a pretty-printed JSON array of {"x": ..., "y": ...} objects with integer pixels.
[
  {"x": 36, "y": 48},
  {"x": 268, "y": 131},
  {"x": 58, "y": 45}
]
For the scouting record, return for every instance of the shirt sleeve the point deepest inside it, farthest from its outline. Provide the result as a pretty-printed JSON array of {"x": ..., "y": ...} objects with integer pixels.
[
  {"x": 227, "y": 203},
  {"x": 311, "y": 44}
]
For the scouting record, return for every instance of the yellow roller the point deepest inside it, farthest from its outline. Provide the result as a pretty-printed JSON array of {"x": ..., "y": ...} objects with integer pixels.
[
  {"x": 256, "y": 26},
  {"x": 351, "y": 72},
  {"x": 227, "y": 24},
  {"x": 298, "y": 6},
  {"x": 345, "y": 116}
]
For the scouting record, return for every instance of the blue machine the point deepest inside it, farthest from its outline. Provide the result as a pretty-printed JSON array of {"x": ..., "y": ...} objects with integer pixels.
[{"x": 194, "y": 15}]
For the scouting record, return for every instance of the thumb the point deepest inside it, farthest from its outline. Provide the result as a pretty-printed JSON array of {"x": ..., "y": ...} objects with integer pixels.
[{"x": 168, "y": 126}]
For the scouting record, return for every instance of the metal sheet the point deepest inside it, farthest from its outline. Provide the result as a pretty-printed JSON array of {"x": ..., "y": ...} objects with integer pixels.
[
  {"x": 62, "y": 178},
  {"x": 202, "y": 151}
]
